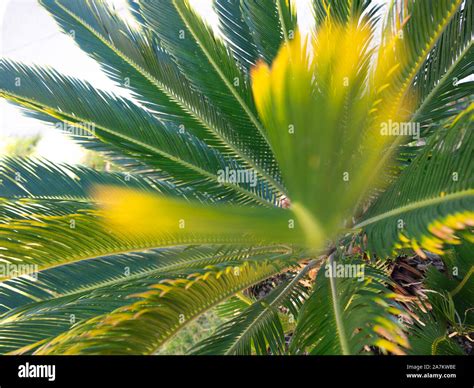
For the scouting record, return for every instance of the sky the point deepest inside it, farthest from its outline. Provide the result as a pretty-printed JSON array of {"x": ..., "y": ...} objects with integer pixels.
[{"x": 29, "y": 34}]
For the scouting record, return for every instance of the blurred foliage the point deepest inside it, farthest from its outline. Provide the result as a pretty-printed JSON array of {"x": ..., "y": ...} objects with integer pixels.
[
  {"x": 96, "y": 161},
  {"x": 191, "y": 334},
  {"x": 22, "y": 146}
]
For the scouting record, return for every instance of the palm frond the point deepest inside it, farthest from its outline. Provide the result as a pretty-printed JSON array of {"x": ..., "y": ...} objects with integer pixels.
[
  {"x": 108, "y": 270},
  {"x": 440, "y": 83},
  {"x": 345, "y": 12},
  {"x": 31, "y": 238},
  {"x": 134, "y": 220},
  {"x": 132, "y": 57},
  {"x": 345, "y": 315},
  {"x": 119, "y": 153},
  {"x": 446, "y": 314},
  {"x": 210, "y": 67},
  {"x": 41, "y": 179},
  {"x": 67, "y": 295},
  {"x": 108, "y": 117},
  {"x": 454, "y": 286},
  {"x": 127, "y": 55},
  {"x": 148, "y": 216},
  {"x": 432, "y": 199},
  {"x": 428, "y": 335},
  {"x": 159, "y": 313},
  {"x": 271, "y": 24},
  {"x": 258, "y": 327},
  {"x": 420, "y": 29},
  {"x": 236, "y": 32}
]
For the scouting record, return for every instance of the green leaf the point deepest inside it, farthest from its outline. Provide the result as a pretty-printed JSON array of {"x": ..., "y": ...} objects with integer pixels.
[
  {"x": 257, "y": 327},
  {"x": 344, "y": 315},
  {"x": 432, "y": 199},
  {"x": 451, "y": 297},
  {"x": 84, "y": 235},
  {"x": 440, "y": 83},
  {"x": 236, "y": 32},
  {"x": 428, "y": 335},
  {"x": 270, "y": 23},
  {"x": 111, "y": 118},
  {"x": 67, "y": 295},
  {"x": 454, "y": 286},
  {"x": 159, "y": 313},
  {"x": 41, "y": 179},
  {"x": 129, "y": 53},
  {"x": 146, "y": 216},
  {"x": 211, "y": 69},
  {"x": 343, "y": 11},
  {"x": 124, "y": 53},
  {"x": 129, "y": 221}
]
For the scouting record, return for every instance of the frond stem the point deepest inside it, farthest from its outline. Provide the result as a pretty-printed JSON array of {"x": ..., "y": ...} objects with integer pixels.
[{"x": 337, "y": 312}]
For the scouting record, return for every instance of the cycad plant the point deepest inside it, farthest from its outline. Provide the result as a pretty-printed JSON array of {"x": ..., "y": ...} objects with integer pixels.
[{"x": 247, "y": 152}]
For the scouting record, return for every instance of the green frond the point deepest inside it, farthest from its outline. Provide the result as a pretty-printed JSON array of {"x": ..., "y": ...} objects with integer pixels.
[
  {"x": 31, "y": 239},
  {"x": 432, "y": 200},
  {"x": 108, "y": 117},
  {"x": 428, "y": 335},
  {"x": 159, "y": 312},
  {"x": 440, "y": 84},
  {"x": 419, "y": 25},
  {"x": 233, "y": 306},
  {"x": 131, "y": 58},
  {"x": 450, "y": 299},
  {"x": 236, "y": 33},
  {"x": 455, "y": 286},
  {"x": 210, "y": 67},
  {"x": 86, "y": 275},
  {"x": 258, "y": 327},
  {"x": 67, "y": 295},
  {"x": 127, "y": 56},
  {"x": 148, "y": 217},
  {"x": 347, "y": 315},
  {"x": 130, "y": 220},
  {"x": 120, "y": 153},
  {"x": 271, "y": 24},
  {"x": 41, "y": 179},
  {"x": 343, "y": 11}
]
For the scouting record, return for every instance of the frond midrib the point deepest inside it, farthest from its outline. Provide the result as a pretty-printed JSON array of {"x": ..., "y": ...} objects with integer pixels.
[
  {"x": 72, "y": 198},
  {"x": 338, "y": 312}
]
